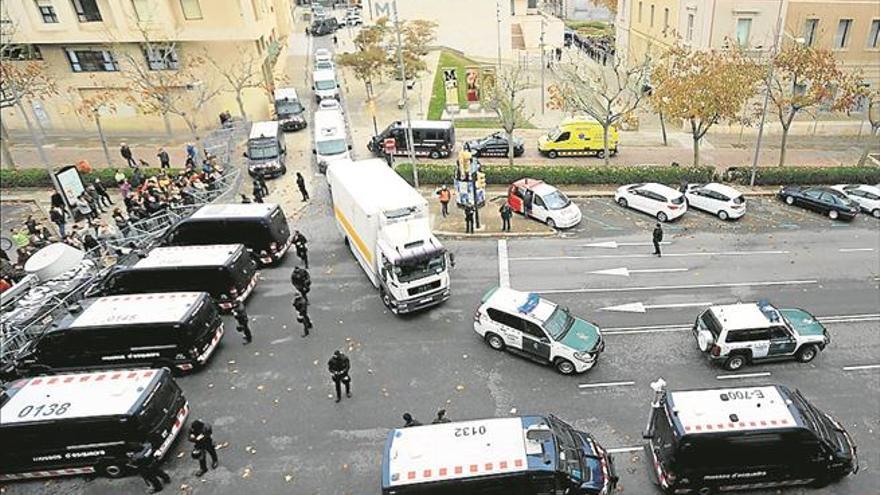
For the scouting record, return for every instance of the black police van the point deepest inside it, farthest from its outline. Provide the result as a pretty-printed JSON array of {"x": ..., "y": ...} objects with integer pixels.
[
  {"x": 225, "y": 271},
  {"x": 321, "y": 27},
  {"x": 433, "y": 138},
  {"x": 177, "y": 330},
  {"x": 717, "y": 440},
  {"x": 87, "y": 423},
  {"x": 262, "y": 227}
]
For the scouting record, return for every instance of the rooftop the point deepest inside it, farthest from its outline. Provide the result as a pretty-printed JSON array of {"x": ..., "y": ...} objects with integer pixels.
[
  {"x": 189, "y": 256},
  {"x": 730, "y": 409},
  {"x": 135, "y": 309},
  {"x": 233, "y": 210},
  {"x": 742, "y": 316}
]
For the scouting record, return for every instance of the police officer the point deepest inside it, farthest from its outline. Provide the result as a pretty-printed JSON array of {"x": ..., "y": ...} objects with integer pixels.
[
  {"x": 339, "y": 366},
  {"x": 203, "y": 444},
  {"x": 301, "y": 184},
  {"x": 441, "y": 417},
  {"x": 469, "y": 219},
  {"x": 264, "y": 189},
  {"x": 302, "y": 313},
  {"x": 657, "y": 238},
  {"x": 506, "y": 213},
  {"x": 301, "y": 281},
  {"x": 258, "y": 192},
  {"x": 148, "y": 468},
  {"x": 302, "y": 249},
  {"x": 409, "y": 421},
  {"x": 241, "y": 317}
]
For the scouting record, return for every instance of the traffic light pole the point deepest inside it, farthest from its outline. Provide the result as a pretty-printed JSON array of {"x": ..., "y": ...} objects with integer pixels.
[{"x": 473, "y": 182}]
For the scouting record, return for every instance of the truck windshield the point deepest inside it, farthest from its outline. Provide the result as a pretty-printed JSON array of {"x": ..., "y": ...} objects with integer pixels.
[
  {"x": 262, "y": 150},
  {"x": 817, "y": 421},
  {"x": 415, "y": 271},
  {"x": 570, "y": 451},
  {"x": 558, "y": 323},
  {"x": 554, "y": 134},
  {"x": 556, "y": 200},
  {"x": 156, "y": 407},
  {"x": 325, "y": 84},
  {"x": 288, "y": 107},
  {"x": 332, "y": 147}
]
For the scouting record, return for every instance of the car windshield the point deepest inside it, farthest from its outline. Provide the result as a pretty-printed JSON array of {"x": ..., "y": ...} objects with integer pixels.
[
  {"x": 817, "y": 421},
  {"x": 554, "y": 134},
  {"x": 325, "y": 84},
  {"x": 332, "y": 147},
  {"x": 708, "y": 322},
  {"x": 558, "y": 323},
  {"x": 288, "y": 107},
  {"x": 262, "y": 150},
  {"x": 414, "y": 271},
  {"x": 556, "y": 200},
  {"x": 153, "y": 411},
  {"x": 570, "y": 452}
]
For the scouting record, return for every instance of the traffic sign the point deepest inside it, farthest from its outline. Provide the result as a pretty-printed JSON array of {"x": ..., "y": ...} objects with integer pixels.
[{"x": 390, "y": 145}]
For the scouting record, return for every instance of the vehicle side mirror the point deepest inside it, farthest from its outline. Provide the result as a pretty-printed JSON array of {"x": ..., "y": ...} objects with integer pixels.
[
  {"x": 244, "y": 154},
  {"x": 337, "y": 85},
  {"x": 313, "y": 88},
  {"x": 314, "y": 152},
  {"x": 349, "y": 147}
]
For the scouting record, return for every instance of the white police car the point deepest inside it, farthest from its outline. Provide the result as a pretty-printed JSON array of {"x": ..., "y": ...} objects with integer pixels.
[
  {"x": 538, "y": 329},
  {"x": 736, "y": 334}
]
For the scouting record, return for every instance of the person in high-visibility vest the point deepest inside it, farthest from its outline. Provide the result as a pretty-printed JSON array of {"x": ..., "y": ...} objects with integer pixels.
[{"x": 445, "y": 195}]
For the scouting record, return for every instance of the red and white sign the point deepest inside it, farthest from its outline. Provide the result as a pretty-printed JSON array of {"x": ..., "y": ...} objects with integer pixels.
[{"x": 390, "y": 145}]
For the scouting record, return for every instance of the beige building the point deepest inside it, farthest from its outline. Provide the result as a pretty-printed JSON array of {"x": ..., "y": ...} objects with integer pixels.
[{"x": 93, "y": 46}]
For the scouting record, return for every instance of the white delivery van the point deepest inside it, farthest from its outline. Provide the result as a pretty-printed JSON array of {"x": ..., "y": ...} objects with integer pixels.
[
  {"x": 324, "y": 85},
  {"x": 385, "y": 222},
  {"x": 331, "y": 140}
]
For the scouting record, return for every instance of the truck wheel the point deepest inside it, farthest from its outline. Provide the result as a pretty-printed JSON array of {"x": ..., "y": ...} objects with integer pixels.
[
  {"x": 346, "y": 241},
  {"x": 112, "y": 470},
  {"x": 807, "y": 353},
  {"x": 494, "y": 341},
  {"x": 564, "y": 366},
  {"x": 435, "y": 154},
  {"x": 600, "y": 154},
  {"x": 386, "y": 299},
  {"x": 622, "y": 202},
  {"x": 735, "y": 362},
  {"x": 552, "y": 154}
]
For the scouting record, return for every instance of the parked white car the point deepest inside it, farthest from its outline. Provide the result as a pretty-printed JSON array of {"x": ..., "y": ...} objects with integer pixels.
[
  {"x": 868, "y": 197},
  {"x": 330, "y": 105},
  {"x": 717, "y": 199},
  {"x": 543, "y": 202},
  {"x": 661, "y": 202},
  {"x": 323, "y": 55}
]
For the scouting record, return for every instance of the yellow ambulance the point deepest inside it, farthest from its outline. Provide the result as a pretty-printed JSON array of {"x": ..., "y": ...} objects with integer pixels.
[{"x": 577, "y": 136}]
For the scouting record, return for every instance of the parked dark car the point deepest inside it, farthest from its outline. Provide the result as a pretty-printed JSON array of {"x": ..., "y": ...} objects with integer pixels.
[
  {"x": 821, "y": 199},
  {"x": 496, "y": 144},
  {"x": 323, "y": 27}
]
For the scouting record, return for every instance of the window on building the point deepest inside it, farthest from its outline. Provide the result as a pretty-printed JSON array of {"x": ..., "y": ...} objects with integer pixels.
[
  {"x": 532, "y": 4},
  {"x": 143, "y": 11},
  {"x": 192, "y": 10},
  {"x": 811, "y": 27},
  {"x": 743, "y": 30},
  {"x": 874, "y": 34},
  {"x": 690, "y": 28},
  {"x": 47, "y": 11},
  {"x": 91, "y": 60},
  {"x": 20, "y": 52},
  {"x": 652, "y": 16},
  {"x": 665, "y": 20},
  {"x": 841, "y": 39},
  {"x": 87, "y": 10},
  {"x": 640, "y": 11},
  {"x": 161, "y": 57}
]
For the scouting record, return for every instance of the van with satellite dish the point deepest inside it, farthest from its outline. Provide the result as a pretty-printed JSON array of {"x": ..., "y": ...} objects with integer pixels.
[
  {"x": 289, "y": 110},
  {"x": 176, "y": 330},
  {"x": 88, "y": 423},
  {"x": 331, "y": 139},
  {"x": 266, "y": 152}
]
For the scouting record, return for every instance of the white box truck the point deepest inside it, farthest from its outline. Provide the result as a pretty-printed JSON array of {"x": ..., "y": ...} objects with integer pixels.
[{"x": 385, "y": 223}]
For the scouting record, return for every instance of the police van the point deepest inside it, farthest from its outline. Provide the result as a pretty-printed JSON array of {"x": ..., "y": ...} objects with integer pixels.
[
  {"x": 737, "y": 334},
  {"x": 543, "y": 331},
  {"x": 262, "y": 227},
  {"x": 223, "y": 270},
  {"x": 714, "y": 440},
  {"x": 528, "y": 455},
  {"x": 432, "y": 138},
  {"x": 86, "y": 423},
  {"x": 266, "y": 151},
  {"x": 177, "y": 330}
]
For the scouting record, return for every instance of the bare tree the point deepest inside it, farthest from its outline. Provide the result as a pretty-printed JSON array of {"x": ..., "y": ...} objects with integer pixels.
[
  {"x": 244, "y": 72},
  {"x": 608, "y": 94},
  {"x": 505, "y": 98},
  {"x": 91, "y": 107}
]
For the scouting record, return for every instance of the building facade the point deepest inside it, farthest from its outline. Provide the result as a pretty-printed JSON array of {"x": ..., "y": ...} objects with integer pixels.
[{"x": 90, "y": 47}]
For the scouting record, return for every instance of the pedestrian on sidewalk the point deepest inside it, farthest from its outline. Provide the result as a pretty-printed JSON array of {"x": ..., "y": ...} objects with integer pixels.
[
  {"x": 302, "y": 313},
  {"x": 148, "y": 468},
  {"x": 203, "y": 445},
  {"x": 59, "y": 218},
  {"x": 445, "y": 195},
  {"x": 301, "y": 281},
  {"x": 441, "y": 417},
  {"x": 302, "y": 249},
  {"x": 125, "y": 151},
  {"x": 335, "y": 40},
  {"x": 264, "y": 189},
  {"x": 468, "y": 219},
  {"x": 82, "y": 206},
  {"x": 258, "y": 192},
  {"x": 339, "y": 366},
  {"x": 657, "y": 238},
  {"x": 241, "y": 317},
  {"x": 410, "y": 421},
  {"x": 506, "y": 212},
  {"x": 191, "y": 153},
  {"x": 93, "y": 198},
  {"x": 102, "y": 193},
  {"x": 164, "y": 159},
  {"x": 301, "y": 184},
  {"x": 118, "y": 177}
]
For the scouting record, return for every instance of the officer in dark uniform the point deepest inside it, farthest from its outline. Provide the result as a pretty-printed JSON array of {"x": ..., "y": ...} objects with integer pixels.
[
  {"x": 301, "y": 281},
  {"x": 148, "y": 468},
  {"x": 409, "y": 421},
  {"x": 203, "y": 445},
  {"x": 302, "y": 250},
  {"x": 657, "y": 237},
  {"x": 339, "y": 366},
  {"x": 241, "y": 317},
  {"x": 469, "y": 219},
  {"x": 301, "y": 305},
  {"x": 441, "y": 417}
]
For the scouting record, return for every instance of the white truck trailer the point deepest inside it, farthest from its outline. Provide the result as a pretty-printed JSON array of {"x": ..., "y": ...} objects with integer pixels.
[{"x": 385, "y": 223}]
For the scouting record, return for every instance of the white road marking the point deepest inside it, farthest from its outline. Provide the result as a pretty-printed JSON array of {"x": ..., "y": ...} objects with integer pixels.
[
  {"x": 626, "y": 272},
  {"x": 615, "y": 245},
  {"x": 684, "y": 327},
  {"x": 678, "y": 287},
  {"x": 854, "y": 250},
  {"x": 503, "y": 265},
  {"x": 623, "y": 450},
  {"x": 634, "y": 256},
  {"x": 638, "y": 307},
  {"x": 742, "y": 375},
  {"x": 605, "y": 384},
  {"x": 281, "y": 341},
  {"x": 861, "y": 367}
]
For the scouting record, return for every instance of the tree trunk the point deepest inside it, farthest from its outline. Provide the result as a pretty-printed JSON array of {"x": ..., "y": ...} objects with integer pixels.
[
  {"x": 510, "y": 147},
  {"x": 696, "y": 150},
  {"x": 102, "y": 138},
  {"x": 663, "y": 128},
  {"x": 241, "y": 106},
  {"x": 782, "y": 144},
  {"x": 167, "y": 122},
  {"x": 4, "y": 146},
  {"x": 867, "y": 148},
  {"x": 38, "y": 143},
  {"x": 605, "y": 142},
  {"x": 37, "y": 119}
]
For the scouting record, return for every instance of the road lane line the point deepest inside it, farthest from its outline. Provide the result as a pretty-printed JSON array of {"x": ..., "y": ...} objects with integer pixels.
[
  {"x": 633, "y": 332},
  {"x": 742, "y": 375},
  {"x": 605, "y": 384},
  {"x": 861, "y": 367},
  {"x": 631, "y": 256},
  {"x": 684, "y": 327},
  {"x": 623, "y": 450},
  {"x": 503, "y": 265},
  {"x": 678, "y": 287},
  {"x": 854, "y": 250}
]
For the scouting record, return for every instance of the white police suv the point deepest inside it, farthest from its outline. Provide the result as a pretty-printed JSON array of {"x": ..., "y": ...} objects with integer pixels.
[{"x": 540, "y": 330}]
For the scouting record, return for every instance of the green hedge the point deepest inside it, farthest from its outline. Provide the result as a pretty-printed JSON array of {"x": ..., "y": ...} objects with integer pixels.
[
  {"x": 771, "y": 176},
  {"x": 38, "y": 177},
  {"x": 560, "y": 175}
]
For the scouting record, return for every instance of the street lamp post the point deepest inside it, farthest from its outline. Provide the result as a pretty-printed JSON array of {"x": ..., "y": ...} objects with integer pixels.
[
  {"x": 776, "y": 37},
  {"x": 409, "y": 134},
  {"x": 498, "y": 21},
  {"x": 543, "y": 65}
]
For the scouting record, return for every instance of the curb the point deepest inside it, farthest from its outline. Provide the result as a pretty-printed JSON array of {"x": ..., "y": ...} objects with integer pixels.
[
  {"x": 610, "y": 194},
  {"x": 494, "y": 235}
]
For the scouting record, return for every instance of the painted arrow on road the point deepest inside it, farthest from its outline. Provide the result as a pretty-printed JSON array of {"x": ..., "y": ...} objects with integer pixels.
[
  {"x": 615, "y": 244},
  {"x": 638, "y": 307},
  {"x": 625, "y": 272}
]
